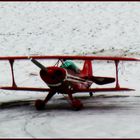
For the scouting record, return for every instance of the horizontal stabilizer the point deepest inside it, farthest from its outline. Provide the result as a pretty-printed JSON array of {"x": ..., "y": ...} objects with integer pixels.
[
  {"x": 103, "y": 80},
  {"x": 100, "y": 80}
]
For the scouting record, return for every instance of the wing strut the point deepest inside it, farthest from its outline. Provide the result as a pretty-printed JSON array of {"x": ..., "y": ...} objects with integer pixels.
[
  {"x": 117, "y": 79},
  {"x": 11, "y": 61}
]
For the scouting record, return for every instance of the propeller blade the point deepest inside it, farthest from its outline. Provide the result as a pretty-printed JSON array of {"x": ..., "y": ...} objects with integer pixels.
[{"x": 38, "y": 64}]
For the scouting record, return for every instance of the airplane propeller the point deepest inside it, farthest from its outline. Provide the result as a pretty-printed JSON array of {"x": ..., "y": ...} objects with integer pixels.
[{"x": 38, "y": 64}]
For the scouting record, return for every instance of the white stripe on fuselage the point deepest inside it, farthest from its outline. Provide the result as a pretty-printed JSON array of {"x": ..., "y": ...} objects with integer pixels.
[
  {"x": 71, "y": 78},
  {"x": 77, "y": 79}
]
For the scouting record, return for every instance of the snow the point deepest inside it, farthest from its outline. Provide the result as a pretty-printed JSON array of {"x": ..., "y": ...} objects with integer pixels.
[{"x": 70, "y": 28}]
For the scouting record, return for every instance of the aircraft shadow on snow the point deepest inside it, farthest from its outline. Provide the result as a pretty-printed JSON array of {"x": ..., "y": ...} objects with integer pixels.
[{"x": 97, "y": 102}]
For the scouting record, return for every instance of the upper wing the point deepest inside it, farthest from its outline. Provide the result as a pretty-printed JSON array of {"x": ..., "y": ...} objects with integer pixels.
[{"x": 70, "y": 57}]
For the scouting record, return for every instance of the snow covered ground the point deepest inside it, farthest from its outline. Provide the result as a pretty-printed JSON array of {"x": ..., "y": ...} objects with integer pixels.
[{"x": 70, "y": 28}]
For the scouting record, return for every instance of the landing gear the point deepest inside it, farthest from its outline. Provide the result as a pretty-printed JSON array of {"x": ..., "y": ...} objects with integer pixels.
[
  {"x": 40, "y": 104},
  {"x": 91, "y": 94},
  {"x": 76, "y": 104}
]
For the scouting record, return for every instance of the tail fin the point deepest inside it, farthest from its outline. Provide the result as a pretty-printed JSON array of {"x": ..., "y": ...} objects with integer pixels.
[
  {"x": 88, "y": 74},
  {"x": 87, "y": 69}
]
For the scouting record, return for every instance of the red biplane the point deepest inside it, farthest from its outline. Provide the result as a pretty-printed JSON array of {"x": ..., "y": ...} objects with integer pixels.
[{"x": 66, "y": 81}]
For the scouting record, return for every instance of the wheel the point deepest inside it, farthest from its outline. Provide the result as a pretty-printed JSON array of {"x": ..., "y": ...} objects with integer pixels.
[
  {"x": 39, "y": 104},
  {"x": 91, "y": 94},
  {"x": 77, "y": 105}
]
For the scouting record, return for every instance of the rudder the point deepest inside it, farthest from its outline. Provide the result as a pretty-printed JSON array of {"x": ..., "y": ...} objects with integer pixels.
[{"x": 87, "y": 69}]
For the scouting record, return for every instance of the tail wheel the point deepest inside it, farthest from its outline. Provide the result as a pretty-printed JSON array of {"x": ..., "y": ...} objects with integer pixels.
[
  {"x": 39, "y": 104},
  {"x": 77, "y": 104},
  {"x": 90, "y": 94}
]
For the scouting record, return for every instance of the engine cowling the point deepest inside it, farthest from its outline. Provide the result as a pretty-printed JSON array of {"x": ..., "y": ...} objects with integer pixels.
[{"x": 53, "y": 76}]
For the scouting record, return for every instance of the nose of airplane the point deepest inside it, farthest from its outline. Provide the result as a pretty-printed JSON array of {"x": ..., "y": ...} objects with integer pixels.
[{"x": 53, "y": 76}]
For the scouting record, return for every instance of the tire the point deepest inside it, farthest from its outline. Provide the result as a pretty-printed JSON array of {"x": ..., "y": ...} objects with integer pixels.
[
  {"x": 77, "y": 105},
  {"x": 39, "y": 104}
]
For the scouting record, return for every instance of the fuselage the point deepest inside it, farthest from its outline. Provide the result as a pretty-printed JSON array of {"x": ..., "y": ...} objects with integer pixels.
[{"x": 61, "y": 79}]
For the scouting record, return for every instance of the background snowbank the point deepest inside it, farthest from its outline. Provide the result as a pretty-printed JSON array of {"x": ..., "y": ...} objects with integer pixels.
[{"x": 68, "y": 27}]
